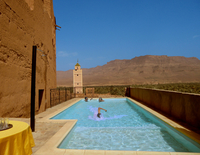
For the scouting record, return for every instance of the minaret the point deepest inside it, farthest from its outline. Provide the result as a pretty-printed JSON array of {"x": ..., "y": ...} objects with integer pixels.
[{"x": 78, "y": 79}]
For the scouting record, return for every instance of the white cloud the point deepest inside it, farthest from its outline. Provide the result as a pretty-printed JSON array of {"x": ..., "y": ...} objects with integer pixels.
[
  {"x": 196, "y": 36},
  {"x": 66, "y": 54}
]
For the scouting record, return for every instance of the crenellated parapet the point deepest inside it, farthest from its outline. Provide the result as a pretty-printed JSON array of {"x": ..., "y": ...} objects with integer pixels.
[{"x": 46, "y": 4}]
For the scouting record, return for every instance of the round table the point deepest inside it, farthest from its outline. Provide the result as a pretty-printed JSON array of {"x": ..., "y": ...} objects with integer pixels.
[{"x": 16, "y": 140}]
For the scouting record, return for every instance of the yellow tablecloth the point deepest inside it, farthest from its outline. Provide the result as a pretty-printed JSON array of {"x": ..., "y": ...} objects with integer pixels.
[{"x": 17, "y": 140}]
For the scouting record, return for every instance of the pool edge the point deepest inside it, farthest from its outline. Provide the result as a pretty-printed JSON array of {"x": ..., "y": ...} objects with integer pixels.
[{"x": 189, "y": 133}]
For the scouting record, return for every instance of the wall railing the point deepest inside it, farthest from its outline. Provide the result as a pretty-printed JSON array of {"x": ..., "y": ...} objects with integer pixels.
[{"x": 62, "y": 94}]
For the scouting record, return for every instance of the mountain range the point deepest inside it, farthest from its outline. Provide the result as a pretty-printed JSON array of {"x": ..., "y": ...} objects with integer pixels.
[{"x": 148, "y": 69}]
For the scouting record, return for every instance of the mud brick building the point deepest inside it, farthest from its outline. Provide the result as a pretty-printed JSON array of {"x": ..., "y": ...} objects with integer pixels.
[{"x": 23, "y": 24}]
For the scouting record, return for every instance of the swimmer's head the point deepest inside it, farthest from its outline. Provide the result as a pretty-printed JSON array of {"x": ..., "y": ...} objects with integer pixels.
[{"x": 98, "y": 115}]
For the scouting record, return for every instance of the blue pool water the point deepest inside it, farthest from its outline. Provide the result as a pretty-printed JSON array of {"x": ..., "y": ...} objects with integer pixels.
[{"x": 125, "y": 126}]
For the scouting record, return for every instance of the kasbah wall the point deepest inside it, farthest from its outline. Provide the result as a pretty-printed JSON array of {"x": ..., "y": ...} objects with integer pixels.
[{"x": 24, "y": 23}]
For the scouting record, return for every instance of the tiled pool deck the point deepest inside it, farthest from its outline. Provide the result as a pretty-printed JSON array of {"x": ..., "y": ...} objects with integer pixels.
[{"x": 49, "y": 133}]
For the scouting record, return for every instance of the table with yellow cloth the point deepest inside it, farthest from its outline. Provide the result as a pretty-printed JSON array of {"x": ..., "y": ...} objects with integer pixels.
[{"x": 17, "y": 140}]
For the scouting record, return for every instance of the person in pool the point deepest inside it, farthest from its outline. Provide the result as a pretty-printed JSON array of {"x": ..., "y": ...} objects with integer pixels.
[
  {"x": 86, "y": 99},
  {"x": 100, "y": 99},
  {"x": 98, "y": 115}
]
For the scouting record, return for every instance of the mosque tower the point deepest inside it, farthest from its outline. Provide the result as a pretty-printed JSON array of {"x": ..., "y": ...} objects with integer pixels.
[{"x": 78, "y": 79}]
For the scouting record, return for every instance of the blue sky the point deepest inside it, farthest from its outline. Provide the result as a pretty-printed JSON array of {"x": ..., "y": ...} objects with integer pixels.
[{"x": 98, "y": 31}]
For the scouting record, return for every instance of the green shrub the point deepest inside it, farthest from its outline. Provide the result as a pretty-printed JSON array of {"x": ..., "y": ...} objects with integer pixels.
[{"x": 180, "y": 87}]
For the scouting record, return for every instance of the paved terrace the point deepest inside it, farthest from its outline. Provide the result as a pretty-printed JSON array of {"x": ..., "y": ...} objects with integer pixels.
[{"x": 44, "y": 131}]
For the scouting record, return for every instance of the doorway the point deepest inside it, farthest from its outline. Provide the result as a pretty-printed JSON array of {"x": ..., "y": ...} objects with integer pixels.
[{"x": 41, "y": 91}]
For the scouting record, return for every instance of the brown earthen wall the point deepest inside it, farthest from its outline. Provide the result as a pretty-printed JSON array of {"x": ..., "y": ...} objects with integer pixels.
[
  {"x": 181, "y": 106},
  {"x": 24, "y": 23}
]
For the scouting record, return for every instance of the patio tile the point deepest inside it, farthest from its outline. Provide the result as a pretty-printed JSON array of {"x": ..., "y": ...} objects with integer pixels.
[
  {"x": 152, "y": 153},
  {"x": 94, "y": 152},
  {"x": 51, "y": 152},
  {"x": 120, "y": 153},
  {"x": 184, "y": 153},
  {"x": 74, "y": 152}
]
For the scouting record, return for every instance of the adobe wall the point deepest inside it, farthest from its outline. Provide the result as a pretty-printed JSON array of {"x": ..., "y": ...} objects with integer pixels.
[
  {"x": 24, "y": 23},
  {"x": 182, "y": 106}
]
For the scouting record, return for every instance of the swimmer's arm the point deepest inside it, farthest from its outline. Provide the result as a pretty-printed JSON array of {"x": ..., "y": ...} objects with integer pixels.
[{"x": 103, "y": 109}]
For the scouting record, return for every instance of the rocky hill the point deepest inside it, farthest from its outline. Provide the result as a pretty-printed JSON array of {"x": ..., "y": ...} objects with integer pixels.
[{"x": 139, "y": 70}]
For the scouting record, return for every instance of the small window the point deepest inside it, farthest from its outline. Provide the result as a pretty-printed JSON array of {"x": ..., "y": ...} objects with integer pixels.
[{"x": 77, "y": 74}]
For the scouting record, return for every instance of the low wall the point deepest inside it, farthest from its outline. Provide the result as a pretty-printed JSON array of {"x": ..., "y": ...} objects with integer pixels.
[{"x": 182, "y": 106}]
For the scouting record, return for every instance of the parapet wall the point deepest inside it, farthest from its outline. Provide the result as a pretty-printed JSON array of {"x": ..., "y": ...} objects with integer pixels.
[
  {"x": 24, "y": 24},
  {"x": 182, "y": 106}
]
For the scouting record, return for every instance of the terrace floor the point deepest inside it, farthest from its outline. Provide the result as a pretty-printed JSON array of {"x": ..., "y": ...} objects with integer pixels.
[{"x": 46, "y": 132}]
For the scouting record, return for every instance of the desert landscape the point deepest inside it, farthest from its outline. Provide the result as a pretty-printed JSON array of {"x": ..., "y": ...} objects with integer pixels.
[
  {"x": 146, "y": 69},
  {"x": 132, "y": 103}
]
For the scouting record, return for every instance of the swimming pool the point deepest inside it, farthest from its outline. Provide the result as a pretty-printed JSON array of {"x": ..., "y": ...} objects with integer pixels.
[{"x": 125, "y": 126}]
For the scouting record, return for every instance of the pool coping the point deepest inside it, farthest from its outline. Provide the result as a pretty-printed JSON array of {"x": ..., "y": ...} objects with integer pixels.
[{"x": 50, "y": 147}]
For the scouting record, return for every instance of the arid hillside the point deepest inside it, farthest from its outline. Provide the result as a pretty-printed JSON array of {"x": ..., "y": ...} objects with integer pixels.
[{"x": 139, "y": 70}]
